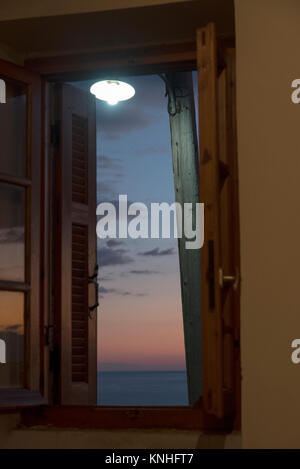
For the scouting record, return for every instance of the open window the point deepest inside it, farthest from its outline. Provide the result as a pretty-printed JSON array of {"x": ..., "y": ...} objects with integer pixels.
[
  {"x": 20, "y": 222},
  {"x": 220, "y": 254},
  {"x": 71, "y": 193}
]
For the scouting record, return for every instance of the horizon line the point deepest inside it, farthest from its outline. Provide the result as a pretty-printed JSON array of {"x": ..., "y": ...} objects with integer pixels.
[{"x": 142, "y": 371}]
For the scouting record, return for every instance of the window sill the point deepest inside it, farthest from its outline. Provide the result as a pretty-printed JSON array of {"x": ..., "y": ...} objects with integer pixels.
[
  {"x": 16, "y": 398},
  {"x": 111, "y": 418}
]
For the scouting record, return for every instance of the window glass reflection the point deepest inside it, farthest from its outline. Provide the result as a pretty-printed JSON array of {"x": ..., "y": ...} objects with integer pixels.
[
  {"x": 13, "y": 130},
  {"x": 11, "y": 339},
  {"x": 12, "y": 245}
]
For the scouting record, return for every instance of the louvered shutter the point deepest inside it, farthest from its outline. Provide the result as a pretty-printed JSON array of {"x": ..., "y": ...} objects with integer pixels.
[
  {"x": 220, "y": 253},
  {"x": 79, "y": 303},
  {"x": 76, "y": 283}
]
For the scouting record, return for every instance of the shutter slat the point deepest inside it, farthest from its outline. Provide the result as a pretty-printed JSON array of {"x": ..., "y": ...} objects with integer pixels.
[{"x": 79, "y": 302}]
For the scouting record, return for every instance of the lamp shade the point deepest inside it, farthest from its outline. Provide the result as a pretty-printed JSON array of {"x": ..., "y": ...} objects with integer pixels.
[{"x": 112, "y": 91}]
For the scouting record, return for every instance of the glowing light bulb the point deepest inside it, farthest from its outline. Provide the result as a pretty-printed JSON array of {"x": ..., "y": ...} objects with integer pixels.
[{"x": 112, "y": 91}]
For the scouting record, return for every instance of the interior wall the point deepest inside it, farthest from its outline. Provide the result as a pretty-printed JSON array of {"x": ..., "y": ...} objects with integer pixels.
[
  {"x": 115, "y": 29},
  {"x": 8, "y": 53},
  {"x": 268, "y": 34},
  {"x": 12, "y": 435}
]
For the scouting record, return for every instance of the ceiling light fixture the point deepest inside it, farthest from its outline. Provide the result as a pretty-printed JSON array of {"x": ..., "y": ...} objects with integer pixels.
[{"x": 112, "y": 91}]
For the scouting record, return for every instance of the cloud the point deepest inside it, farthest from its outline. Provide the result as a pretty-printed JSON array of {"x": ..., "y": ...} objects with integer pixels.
[
  {"x": 12, "y": 235},
  {"x": 109, "y": 174},
  {"x": 105, "y": 189},
  {"x": 105, "y": 291},
  {"x": 113, "y": 257},
  {"x": 111, "y": 243},
  {"x": 143, "y": 272},
  {"x": 108, "y": 164},
  {"x": 105, "y": 278},
  {"x": 157, "y": 252},
  {"x": 153, "y": 149}
]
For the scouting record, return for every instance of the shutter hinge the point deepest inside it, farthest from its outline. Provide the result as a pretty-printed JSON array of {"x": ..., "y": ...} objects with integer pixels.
[{"x": 55, "y": 134}]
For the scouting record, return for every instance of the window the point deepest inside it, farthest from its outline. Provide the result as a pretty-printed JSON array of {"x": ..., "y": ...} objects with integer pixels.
[
  {"x": 19, "y": 235},
  {"x": 140, "y": 351},
  {"x": 62, "y": 362}
]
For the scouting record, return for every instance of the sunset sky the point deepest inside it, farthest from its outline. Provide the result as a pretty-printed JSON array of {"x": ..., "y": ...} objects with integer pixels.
[{"x": 140, "y": 316}]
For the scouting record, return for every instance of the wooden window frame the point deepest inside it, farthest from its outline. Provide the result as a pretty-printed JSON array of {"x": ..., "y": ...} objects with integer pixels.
[
  {"x": 138, "y": 61},
  {"x": 30, "y": 394}
]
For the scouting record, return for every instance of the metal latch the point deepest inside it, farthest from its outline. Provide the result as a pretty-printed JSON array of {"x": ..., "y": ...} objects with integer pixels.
[{"x": 227, "y": 280}]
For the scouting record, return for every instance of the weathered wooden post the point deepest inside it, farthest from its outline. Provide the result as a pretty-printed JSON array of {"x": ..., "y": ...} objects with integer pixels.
[{"x": 181, "y": 109}]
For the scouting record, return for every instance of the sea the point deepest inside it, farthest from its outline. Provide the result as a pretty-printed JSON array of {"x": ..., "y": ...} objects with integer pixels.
[{"x": 146, "y": 388}]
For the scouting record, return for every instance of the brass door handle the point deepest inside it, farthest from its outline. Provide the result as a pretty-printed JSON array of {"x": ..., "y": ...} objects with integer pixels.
[{"x": 227, "y": 280}]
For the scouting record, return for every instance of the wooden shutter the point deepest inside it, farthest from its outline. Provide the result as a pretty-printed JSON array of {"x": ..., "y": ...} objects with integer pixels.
[
  {"x": 76, "y": 270},
  {"x": 220, "y": 253}
]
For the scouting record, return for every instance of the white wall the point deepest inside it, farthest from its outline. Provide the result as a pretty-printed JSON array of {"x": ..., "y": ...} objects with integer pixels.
[{"x": 268, "y": 59}]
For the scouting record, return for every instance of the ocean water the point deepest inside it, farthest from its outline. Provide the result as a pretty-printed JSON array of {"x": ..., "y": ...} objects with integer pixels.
[{"x": 134, "y": 388}]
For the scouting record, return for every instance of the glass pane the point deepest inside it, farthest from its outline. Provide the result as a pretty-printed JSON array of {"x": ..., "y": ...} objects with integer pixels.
[
  {"x": 13, "y": 130},
  {"x": 11, "y": 339},
  {"x": 12, "y": 245}
]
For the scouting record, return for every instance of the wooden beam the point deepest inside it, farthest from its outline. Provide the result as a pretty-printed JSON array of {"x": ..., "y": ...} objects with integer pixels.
[
  {"x": 128, "y": 61},
  {"x": 185, "y": 168},
  {"x": 9, "y": 285},
  {"x": 15, "y": 180}
]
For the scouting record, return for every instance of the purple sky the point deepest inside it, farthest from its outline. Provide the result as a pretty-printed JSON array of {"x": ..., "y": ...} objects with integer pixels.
[{"x": 140, "y": 317}]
